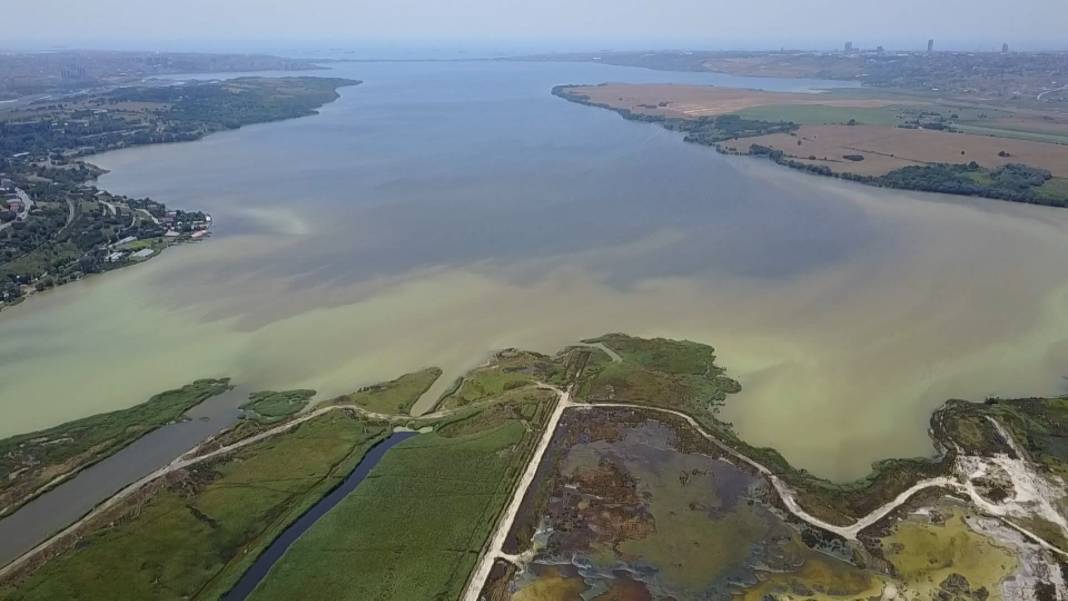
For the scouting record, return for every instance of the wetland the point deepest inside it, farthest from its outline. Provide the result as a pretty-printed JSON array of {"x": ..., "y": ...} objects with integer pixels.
[{"x": 443, "y": 210}]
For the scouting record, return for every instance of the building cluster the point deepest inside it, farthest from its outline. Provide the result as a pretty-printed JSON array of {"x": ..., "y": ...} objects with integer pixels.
[
  {"x": 851, "y": 48},
  {"x": 177, "y": 225},
  {"x": 177, "y": 222},
  {"x": 10, "y": 200}
]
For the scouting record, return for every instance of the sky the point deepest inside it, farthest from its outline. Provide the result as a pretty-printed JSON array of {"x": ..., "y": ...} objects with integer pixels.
[{"x": 535, "y": 24}]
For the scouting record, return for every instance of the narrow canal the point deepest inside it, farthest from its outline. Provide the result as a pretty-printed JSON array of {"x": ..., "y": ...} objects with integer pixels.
[
  {"x": 259, "y": 570},
  {"x": 54, "y": 510}
]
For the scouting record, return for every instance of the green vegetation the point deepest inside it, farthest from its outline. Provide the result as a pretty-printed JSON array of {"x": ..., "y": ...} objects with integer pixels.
[
  {"x": 1037, "y": 425},
  {"x": 194, "y": 534},
  {"x": 638, "y": 501},
  {"x": 71, "y": 228},
  {"x": 683, "y": 376},
  {"x": 23, "y": 74},
  {"x": 1054, "y": 189},
  {"x": 700, "y": 130},
  {"x": 931, "y": 557},
  {"x": 413, "y": 530},
  {"x": 679, "y": 375},
  {"x": 821, "y": 114},
  {"x": 396, "y": 396},
  {"x": 1014, "y": 182},
  {"x": 1006, "y": 78},
  {"x": 909, "y": 111},
  {"x": 131, "y": 116},
  {"x": 712, "y": 130},
  {"x": 667, "y": 373},
  {"x": 508, "y": 370},
  {"x": 1012, "y": 133},
  {"x": 30, "y": 461},
  {"x": 271, "y": 406}
]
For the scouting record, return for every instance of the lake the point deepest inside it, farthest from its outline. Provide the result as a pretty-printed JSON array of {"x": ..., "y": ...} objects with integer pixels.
[{"x": 443, "y": 210}]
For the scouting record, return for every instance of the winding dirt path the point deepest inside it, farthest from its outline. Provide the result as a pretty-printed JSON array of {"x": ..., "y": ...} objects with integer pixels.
[
  {"x": 494, "y": 550},
  {"x": 789, "y": 498}
]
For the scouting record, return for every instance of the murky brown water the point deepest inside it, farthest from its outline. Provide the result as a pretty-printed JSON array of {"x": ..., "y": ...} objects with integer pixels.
[{"x": 444, "y": 210}]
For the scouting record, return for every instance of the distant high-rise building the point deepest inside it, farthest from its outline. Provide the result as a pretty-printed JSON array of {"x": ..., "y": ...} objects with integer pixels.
[
  {"x": 930, "y": 45},
  {"x": 880, "y": 49},
  {"x": 849, "y": 46},
  {"x": 1005, "y": 48}
]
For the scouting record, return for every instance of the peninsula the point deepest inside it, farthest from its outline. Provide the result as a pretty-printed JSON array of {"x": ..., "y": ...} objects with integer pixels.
[
  {"x": 600, "y": 470},
  {"x": 56, "y": 226},
  {"x": 885, "y": 138}
]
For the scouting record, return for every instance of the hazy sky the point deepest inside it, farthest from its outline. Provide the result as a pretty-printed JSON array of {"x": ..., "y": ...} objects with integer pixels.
[{"x": 961, "y": 24}]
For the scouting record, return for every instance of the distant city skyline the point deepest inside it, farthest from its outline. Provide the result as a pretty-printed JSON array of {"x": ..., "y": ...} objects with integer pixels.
[{"x": 968, "y": 25}]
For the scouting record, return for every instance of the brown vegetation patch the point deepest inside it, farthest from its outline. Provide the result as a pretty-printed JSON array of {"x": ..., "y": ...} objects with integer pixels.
[
  {"x": 690, "y": 101},
  {"x": 885, "y": 149}
]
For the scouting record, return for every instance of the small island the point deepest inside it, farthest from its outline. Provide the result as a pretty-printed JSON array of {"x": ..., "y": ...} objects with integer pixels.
[{"x": 57, "y": 226}]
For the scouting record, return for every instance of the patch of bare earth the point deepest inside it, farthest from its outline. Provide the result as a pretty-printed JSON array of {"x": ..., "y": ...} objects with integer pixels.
[
  {"x": 689, "y": 101},
  {"x": 885, "y": 149}
]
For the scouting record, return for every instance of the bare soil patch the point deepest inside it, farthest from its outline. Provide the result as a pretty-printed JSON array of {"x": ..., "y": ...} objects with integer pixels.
[
  {"x": 689, "y": 101},
  {"x": 885, "y": 149}
]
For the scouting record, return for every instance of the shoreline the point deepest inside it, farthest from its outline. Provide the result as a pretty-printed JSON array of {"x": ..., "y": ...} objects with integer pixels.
[
  {"x": 84, "y": 161},
  {"x": 958, "y": 473},
  {"x": 779, "y": 157}
]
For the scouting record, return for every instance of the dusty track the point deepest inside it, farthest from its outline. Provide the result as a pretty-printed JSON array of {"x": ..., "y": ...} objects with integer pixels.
[
  {"x": 183, "y": 461},
  {"x": 494, "y": 551}
]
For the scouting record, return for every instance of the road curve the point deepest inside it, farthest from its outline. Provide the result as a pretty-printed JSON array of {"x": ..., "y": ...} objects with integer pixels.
[{"x": 493, "y": 550}]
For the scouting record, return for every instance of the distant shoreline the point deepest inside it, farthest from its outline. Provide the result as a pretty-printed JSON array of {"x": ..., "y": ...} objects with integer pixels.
[
  {"x": 761, "y": 124},
  {"x": 279, "y": 98}
]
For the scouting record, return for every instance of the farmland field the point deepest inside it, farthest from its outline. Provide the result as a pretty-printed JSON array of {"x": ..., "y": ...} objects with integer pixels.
[
  {"x": 415, "y": 527},
  {"x": 687, "y": 101},
  {"x": 194, "y": 533},
  {"x": 885, "y": 149}
]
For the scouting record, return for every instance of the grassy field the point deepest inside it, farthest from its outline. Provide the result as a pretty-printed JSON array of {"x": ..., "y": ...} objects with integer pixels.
[
  {"x": 156, "y": 244},
  {"x": 667, "y": 373},
  {"x": 396, "y": 396},
  {"x": 1015, "y": 133},
  {"x": 271, "y": 406},
  {"x": 821, "y": 114},
  {"x": 886, "y": 149},
  {"x": 881, "y": 138},
  {"x": 682, "y": 375},
  {"x": 926, "y": 554},
  {"x": 507, "y": 370},
  {"x": 414, "y": 528},
  {"x": 1056, "y": 187},
  {"x": 29, "y": 461},
  {"x": 197, "y": 533}
]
